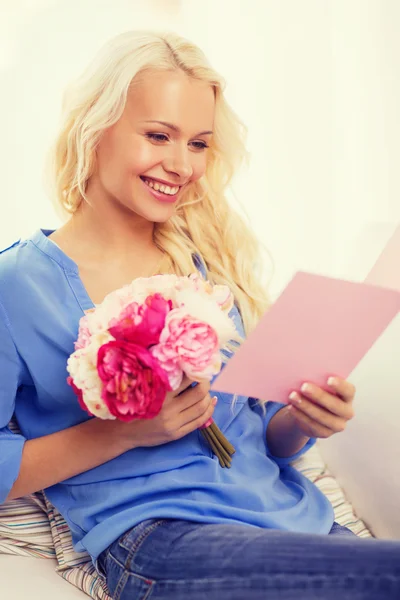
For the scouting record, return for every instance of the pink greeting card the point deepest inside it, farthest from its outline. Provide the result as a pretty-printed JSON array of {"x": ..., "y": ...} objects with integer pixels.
[{"x": 319, "y": 326}]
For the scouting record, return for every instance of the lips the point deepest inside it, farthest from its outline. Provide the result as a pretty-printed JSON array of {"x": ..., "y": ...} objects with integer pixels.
[{"x": 166, "y": 198}]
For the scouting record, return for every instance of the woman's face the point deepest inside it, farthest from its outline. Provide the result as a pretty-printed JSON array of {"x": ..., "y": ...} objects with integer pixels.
[{"x": 135, "y": 150}]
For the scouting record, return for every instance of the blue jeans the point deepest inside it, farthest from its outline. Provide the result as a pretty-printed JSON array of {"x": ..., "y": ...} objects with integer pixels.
[{"x": 165, "y": 559}]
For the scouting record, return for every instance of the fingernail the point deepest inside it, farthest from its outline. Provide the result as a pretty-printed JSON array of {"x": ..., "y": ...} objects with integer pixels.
[
  {"x": 295, "y": 397},
  {"x": 215, "y": 400},
  {"x": 305, "y": 387},
  {"x": 332, "y": 381}
]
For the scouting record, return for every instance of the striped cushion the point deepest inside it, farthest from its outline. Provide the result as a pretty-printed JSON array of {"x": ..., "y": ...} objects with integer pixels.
[
  {"x": 25, "y": 528},
  {"x": 62, "y": 541},
  {"x": 86, "y": 579},
  {"x": 75, "y": 567},
  {"x": 24, "y": 524},
  {"x": 313, "y": 467}
]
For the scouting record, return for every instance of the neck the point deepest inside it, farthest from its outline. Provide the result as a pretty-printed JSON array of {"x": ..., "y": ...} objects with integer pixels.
[{"x": 106, "y": 232}]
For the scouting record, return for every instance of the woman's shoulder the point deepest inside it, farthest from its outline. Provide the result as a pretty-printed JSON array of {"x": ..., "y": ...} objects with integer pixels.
[
  {"x": 9, "y": 261},
  {"x": 6, "y": 252},
  {"x": 21, "y": 267}
]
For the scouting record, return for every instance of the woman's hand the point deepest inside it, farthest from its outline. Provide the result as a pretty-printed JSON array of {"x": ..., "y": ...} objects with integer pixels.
[
  {"x": 183, "y": 411},
  {"x": 320, "y": 414}
]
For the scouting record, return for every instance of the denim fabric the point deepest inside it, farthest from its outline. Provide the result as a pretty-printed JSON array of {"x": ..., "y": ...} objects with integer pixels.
[{"x": 164, "y": 559}]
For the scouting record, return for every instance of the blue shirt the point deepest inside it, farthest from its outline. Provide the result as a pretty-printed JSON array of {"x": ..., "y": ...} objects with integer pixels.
[{"x": 42, "y": 299}]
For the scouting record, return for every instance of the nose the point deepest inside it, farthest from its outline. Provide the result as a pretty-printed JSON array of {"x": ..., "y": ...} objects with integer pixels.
[{"x": 179, "y": 163}]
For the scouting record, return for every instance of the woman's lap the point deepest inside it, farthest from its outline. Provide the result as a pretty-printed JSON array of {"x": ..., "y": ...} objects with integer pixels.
[{"x": 163, "y": 559}]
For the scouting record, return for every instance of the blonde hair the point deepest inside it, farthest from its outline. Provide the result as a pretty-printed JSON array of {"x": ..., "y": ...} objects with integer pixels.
[{"x": 204, "y": 223}]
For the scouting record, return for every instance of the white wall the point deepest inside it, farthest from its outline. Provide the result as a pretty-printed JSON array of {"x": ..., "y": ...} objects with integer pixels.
[{"x": 316, "y": 82}]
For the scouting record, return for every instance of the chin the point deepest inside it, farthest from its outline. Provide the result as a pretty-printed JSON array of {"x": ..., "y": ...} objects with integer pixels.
[
  {"x": 159, "y": 216},
  {"x": 163, "y": 218}
]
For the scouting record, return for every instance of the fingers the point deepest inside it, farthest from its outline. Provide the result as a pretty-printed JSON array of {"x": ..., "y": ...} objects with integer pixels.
[
  {"x": 191, "y": 396},
  {"x": 319, "y": 415},
  {"x": 343, "y": 388},
  {"x": 314, "y": 395},
  {"x": 198, "y": 415},
  {"x": 186, "y": 382},
  {"x": 309, "y": 425}
]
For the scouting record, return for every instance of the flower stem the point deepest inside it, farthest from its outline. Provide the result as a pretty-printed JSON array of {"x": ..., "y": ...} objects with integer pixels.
[
  {"x": 213, "y": 447},
  {"x": 218, "y": 444},
  {"x": 220, "y": 436}
]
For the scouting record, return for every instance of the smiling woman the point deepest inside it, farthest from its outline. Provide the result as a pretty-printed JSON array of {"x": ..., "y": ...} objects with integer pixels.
[
  {"x": 143, "y": 172},
  {"x": 147, "y": 148}
]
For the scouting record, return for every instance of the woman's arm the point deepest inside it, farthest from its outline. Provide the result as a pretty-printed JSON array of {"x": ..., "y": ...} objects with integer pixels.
[
  {"x": 284, "y": 437},
  {"x": 56, "y": 457},
  {"x": 53, "y": 458}
]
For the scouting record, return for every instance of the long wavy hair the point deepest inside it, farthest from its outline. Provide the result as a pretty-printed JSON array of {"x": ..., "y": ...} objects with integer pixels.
[{"x": 205, "y": 223}]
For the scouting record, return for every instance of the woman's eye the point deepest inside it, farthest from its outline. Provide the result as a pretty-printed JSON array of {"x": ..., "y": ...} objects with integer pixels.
[
  {"x": 161, "y": 137},
  {"x": 157, "y": 136},
  {"x": 201, "y": 145}
]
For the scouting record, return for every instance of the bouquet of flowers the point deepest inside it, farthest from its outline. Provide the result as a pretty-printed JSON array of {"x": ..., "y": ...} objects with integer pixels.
[{"x": 142, "y": 339}]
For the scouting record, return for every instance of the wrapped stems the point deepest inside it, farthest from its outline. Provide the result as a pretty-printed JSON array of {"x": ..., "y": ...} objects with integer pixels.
[{"x": 218, "y": 443}]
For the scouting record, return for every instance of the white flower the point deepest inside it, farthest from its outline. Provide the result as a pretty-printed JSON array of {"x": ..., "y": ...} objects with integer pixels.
[
  {"x": 223, "y": 296},
  {"x": 94, "y": 402},
  {"x": 82, "y": 364}
]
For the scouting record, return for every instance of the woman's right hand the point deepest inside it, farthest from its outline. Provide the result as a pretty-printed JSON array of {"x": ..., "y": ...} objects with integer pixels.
[{"x": 183, "y": 411}]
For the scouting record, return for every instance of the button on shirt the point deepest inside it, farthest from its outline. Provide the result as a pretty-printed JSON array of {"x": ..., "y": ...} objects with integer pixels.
[{"x": 42, "y": 299}]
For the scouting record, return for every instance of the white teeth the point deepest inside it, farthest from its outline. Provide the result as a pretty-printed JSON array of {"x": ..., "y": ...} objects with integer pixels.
[{"x": 165, "y": 189}]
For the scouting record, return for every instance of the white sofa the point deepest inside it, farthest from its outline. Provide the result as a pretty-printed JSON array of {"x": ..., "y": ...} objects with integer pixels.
[
  {"x": 34, "y": 578},
  {"x": 365, "y": 458}
]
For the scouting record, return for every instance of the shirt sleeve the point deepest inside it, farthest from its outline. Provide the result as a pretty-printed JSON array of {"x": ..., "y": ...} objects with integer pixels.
[
  {"x": 271, "y": 407},
  {"x": 11, "y": 444}
]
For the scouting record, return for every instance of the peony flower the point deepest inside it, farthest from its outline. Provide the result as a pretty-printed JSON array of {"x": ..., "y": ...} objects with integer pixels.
[
  {"x": 83, "y": 334},
  {"x": 204, "y": 308},
  {"x": 141, "y": 324},
  {"x": 98, "y": 321},
  {"x": 82, "y": 364},
  {"x": 142, "y": 287},
  {"x": 223, "y": 296},
  {"x": 78, "y": 393},
  {"x": 95, "y": 404},
  {"x": 189, "y": 345},
  {"x": 134, "y": 384},
  {"x": 82, "y": 367},
  {"x": 195, "y": 283}
]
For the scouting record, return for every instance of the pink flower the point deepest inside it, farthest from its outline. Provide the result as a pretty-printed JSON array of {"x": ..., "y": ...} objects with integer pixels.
[
  {"x": 189, "y": 345},
  {"x": 141, "y": 324},
  {"x": 134, "y": 384},
  {"x": 83, "y": 335},
  {"x": 79, "y": 395}
]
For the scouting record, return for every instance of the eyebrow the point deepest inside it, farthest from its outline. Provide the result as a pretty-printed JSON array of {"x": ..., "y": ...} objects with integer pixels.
[{"x": 175, "y": 128}]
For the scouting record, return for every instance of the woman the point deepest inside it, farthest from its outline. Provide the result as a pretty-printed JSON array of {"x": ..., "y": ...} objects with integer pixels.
[{"x": 147, "y": 147}]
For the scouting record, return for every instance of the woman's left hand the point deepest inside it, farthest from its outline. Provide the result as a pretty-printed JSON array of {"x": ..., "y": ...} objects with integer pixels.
[{"x": 321, "y": 414}]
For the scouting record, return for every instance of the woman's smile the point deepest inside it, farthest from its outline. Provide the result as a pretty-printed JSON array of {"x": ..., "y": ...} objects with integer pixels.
[{"x": 161, "y": 192}]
